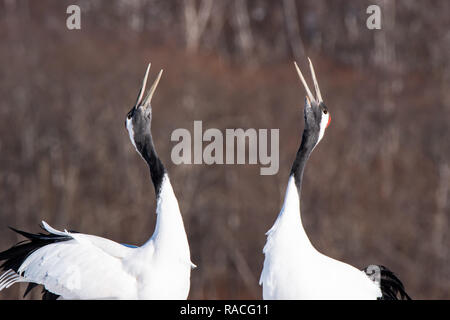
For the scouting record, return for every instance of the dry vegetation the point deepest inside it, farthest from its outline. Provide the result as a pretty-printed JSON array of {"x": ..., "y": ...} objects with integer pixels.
[{"x": 376, "y": 190}]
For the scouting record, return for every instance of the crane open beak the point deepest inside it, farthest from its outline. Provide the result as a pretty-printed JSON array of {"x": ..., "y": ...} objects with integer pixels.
[
  {"x": 309, "y": 96},
  {"x": 142, "y": 90},
  {"x": 149, "y": 96},
  {"x": 316, "y": 85},
  {"x": 146, "y": 102},
  {"x": 318, "y": 99}
]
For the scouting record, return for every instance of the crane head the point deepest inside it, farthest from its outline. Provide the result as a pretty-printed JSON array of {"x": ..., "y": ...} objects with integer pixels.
[
  {"x": 138, "y": 120},
  {"x": 317, "y": 116}
]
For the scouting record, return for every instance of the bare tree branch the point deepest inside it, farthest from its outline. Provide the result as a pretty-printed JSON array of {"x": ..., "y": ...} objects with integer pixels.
[
  {"x": 195, "y": 22},
  {"x": 244, "y": 32},
  {"x": 293, "y": 30}
]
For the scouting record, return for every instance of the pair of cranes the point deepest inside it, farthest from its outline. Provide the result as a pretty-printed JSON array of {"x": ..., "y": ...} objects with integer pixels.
[{"x": 74, "y": 265}]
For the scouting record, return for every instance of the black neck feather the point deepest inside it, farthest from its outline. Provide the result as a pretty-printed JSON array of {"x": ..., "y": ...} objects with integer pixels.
[
  {"x": 307, "y": 145},
  {"x": 146, "y": 148}
]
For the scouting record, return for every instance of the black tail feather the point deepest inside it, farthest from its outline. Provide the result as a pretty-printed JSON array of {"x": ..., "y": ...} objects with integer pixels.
[
  {"x": 15, "y": 256},
  {"x": 30, "y": 287},
  {"x": 47, "y": 295},
  {"x": 391, "y": 286}
]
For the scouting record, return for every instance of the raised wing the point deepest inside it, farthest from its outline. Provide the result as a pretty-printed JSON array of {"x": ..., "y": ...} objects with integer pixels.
[{"x": 71, "y": 265}]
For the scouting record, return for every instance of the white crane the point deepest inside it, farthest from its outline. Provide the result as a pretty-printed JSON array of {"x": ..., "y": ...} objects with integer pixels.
[
  {"x": 80, "y": 266},
  {"x": 293, "y": 268}
]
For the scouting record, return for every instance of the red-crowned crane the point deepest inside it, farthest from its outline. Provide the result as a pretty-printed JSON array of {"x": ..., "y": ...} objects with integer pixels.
[
  {"x": 73, "y": 265},
  {"x": 293, "y": 268}
]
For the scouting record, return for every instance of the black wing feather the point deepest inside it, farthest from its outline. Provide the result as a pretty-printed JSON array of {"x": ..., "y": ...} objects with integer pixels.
[
  {"x": 391, "y": 286},
  {"x": 15, "y": 256}
]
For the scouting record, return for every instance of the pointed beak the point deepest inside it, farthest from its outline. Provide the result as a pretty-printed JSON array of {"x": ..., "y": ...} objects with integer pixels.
[
  {"x": 318, "y": 99},
  {"x": 140, "y": 102},
  {"x": 316, "y": 85},
  {"x": 149, "y": 96},
  {"x": 302, "y": 79},
  {"x": 142, "y": 90}
]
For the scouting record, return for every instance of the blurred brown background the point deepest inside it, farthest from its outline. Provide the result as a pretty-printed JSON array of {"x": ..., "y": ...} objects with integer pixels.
[{"x": 376, "y": 190}]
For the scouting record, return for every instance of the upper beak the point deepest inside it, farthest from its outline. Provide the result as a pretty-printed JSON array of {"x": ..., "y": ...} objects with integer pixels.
[
  {"x": 152, "y": 90},
  {"x": 318, "y": 99},
  {"x": 146, "y": 102},
  {"x": 142, "y": 90}
]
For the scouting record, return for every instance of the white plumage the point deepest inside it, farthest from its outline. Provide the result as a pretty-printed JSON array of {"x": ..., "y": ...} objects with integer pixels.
[
  {"x": 80, "y": 266},
  {"x": 91, "y": 267},
  {"x": 294, "y": 269}
]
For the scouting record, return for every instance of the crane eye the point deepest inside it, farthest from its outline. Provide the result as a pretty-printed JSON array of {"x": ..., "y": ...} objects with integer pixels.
[
  {"x": 130, "y": 114},
  {"x": 325, "y": 111}
]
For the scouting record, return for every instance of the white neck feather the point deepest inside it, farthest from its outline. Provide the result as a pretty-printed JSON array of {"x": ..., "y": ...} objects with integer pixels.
[
  {"x": 288, "y": 227},
  {"x": 169, "y": 235},
  {"x": 323, "y": 126}
]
